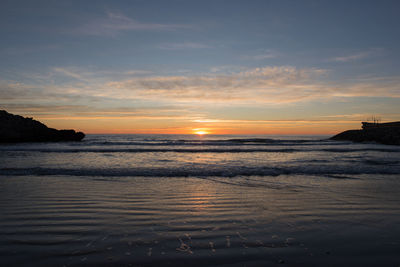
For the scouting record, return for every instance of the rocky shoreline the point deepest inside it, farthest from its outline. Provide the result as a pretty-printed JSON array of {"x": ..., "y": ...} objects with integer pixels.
[
  {"x": 16, "y": 129},
  {"x": 381, "y": 135}
]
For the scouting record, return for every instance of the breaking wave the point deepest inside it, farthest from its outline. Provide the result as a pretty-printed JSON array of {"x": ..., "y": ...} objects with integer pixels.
[
  {"x": 196, "y": 150},
  {"x": 221, "y": 171}
]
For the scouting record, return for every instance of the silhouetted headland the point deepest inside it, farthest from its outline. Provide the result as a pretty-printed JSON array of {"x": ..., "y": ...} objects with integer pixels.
[
  {"x": 383, "y": 133},
  {"x": 15, "y": 129}
]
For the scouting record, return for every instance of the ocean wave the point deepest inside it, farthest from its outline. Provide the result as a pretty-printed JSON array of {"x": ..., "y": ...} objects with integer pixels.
[
  {"x": 147, "y": 150},
  {"x": 210, "y": 142},
  {"x": 381, "y": 162},
  {"x": 197, "y": 150},
  {"x": 226, "y": 171}
]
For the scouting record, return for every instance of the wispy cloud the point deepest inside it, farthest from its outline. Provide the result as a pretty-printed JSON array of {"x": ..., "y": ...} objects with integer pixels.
[
  {"x": 70, "y": 73},
  {"x": 357, "y": 117},
  {"x": 227, "y": 69},
  {"x": 184, "y": 45},
  {"x": 277, "y": 121},
  {"x": 115, "y": 23},
  {"x": 137, "y": 72},
  {"x": 29, "y": 49},
  {"x": 357, "y": 56},
  {"x": 269, "y": 84},
  {"x": 93, "y": 101},
  {"x": 266, "y": 54},
  {"x": 256, "y": 86},
  {"x": 94, "y": 76},
  {"x": 86, "y": 111}
]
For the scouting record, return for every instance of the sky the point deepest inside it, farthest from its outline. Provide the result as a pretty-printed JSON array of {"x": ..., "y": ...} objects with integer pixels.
[{"x": 221, "y": 67}]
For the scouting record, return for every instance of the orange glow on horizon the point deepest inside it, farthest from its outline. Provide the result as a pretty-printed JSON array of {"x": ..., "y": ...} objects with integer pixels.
[{"x": 180, "y": 126}]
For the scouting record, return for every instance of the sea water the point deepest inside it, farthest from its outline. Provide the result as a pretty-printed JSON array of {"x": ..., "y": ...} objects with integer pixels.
[{"x": 151, "y": 200}]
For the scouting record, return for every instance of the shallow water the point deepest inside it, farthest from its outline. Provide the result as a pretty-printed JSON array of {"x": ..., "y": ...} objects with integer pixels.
[{"x": 100, "y": 203}]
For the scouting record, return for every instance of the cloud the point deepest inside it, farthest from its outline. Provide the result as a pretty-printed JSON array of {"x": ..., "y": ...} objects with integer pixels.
[
  {"x": 187, "y": 99},
  {"x": 33, "y": 107},
  {"x": 116, "y": 23},
  {"x": 266, "y": 54},
  {"x": 137, "y": 72},
  {"x": 227, "y": 69},
  {"x": 253, "y": 86},
  {"x": 357, "y": 56},
  {"x": 268, "y": 84},
  {"x": 277, "y": 121},
  {"x": 184, "y": 45},
  {"x": 71, "y": 111},
  {"x": 18, "y": 50},
  {"x": 70, "y": 73}
]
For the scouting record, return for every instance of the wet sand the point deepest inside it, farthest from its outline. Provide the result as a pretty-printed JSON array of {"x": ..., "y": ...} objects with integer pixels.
[{"x": 252, "y": 221}]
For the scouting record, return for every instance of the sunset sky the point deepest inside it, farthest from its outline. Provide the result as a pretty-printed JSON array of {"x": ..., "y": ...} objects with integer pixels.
[{"x": 222, "y": 67}]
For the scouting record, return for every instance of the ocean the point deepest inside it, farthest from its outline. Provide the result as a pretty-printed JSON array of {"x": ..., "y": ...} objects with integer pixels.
[{"x": 212, "y": 200}]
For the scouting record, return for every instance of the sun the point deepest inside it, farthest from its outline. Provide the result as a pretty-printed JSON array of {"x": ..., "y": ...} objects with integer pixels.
[{"x": 200, "y": 131}]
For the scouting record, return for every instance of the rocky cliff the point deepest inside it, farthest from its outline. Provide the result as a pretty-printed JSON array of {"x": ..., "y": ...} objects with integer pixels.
[
  {"x": 382, "y": 135},
  {"x": 15, "y": 128}
]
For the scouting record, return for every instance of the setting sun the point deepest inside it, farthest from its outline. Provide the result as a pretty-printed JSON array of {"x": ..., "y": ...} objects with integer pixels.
[{"x": 200, "y": 131}]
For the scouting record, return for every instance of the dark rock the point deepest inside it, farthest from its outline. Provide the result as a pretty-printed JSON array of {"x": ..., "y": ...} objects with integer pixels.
[
  {"x": 15, "y": 129},
  {"x": 382, "y": 135}
]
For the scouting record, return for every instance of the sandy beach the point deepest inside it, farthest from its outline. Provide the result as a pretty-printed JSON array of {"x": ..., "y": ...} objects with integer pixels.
[{"x": 276, "y": 220}]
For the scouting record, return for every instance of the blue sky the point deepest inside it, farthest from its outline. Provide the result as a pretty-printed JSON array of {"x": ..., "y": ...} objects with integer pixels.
[{"x": 223, "y": 66}]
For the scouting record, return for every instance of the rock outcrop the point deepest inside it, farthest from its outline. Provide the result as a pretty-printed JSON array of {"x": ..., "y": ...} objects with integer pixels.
[
  {"x": 15, "y": 129},
  {"x": 382, "y": 135}
]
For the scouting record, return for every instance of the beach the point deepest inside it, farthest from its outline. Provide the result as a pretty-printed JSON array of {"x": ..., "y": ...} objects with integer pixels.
[
  {"x": 166, "y": 200},
  {"x": 199, "y": 133}
]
